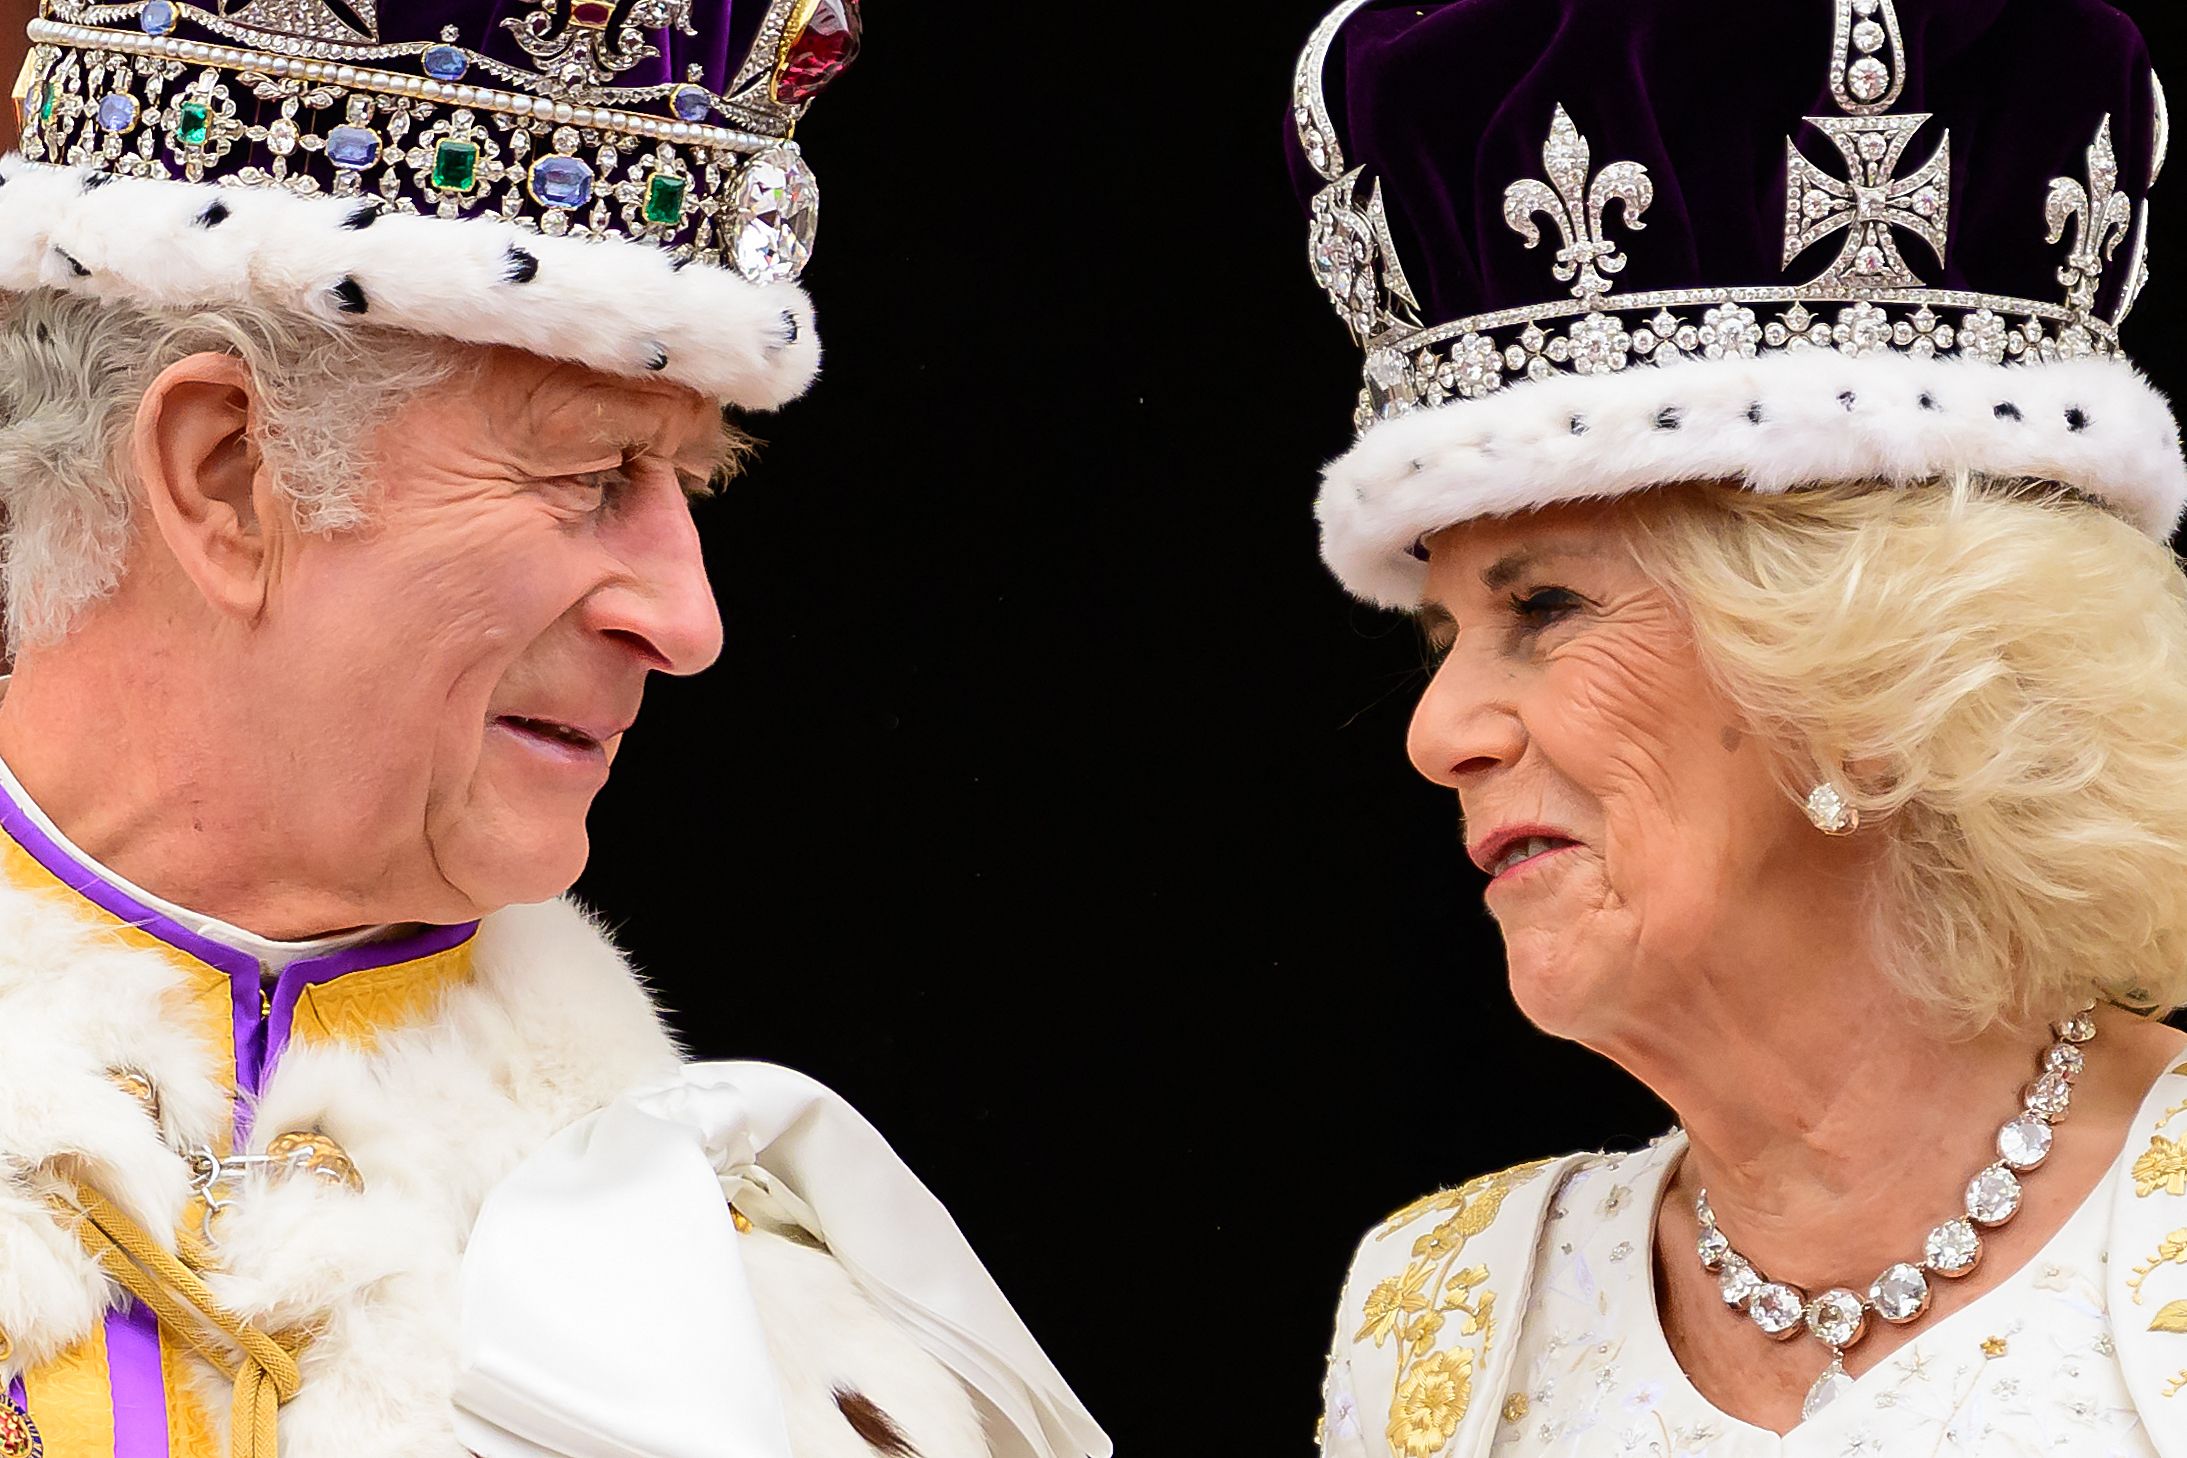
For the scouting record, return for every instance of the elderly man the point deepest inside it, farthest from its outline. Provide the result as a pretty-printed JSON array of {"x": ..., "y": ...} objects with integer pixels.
[{"x": 357, "y": 371}]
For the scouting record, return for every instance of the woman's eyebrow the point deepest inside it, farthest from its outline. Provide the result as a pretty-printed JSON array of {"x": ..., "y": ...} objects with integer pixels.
[{"x": 1508, "y": 568}]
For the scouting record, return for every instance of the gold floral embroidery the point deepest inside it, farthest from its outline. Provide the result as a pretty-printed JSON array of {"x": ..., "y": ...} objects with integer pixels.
[
  {"x": 2172, "y": 1248},
  {"x": 1431, "y": 1399},
  {"x": 1515, "y": 1407},
  {"x": 2163, "y": 1166},
  {"x": 2171, "y": 1317},
  {"x": 1431, "y": 1298},
  {"x": 1993, "y": 1346}
]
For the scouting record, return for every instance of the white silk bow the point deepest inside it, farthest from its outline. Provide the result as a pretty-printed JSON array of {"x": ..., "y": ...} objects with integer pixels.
[{"x": 606, "y": 1312}]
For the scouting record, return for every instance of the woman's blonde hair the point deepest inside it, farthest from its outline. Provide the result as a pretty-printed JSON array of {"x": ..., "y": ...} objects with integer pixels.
[{"x": 1996, "y": 673}]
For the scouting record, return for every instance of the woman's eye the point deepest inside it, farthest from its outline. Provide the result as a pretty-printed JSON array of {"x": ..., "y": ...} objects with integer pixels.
[{"x": 1544, "y": 605}]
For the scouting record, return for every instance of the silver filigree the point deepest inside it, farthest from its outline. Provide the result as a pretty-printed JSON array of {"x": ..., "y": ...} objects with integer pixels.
[
  {"x": 1476, "y": 357},
  {"x": 580, "y": 53},
  {"x": 2101, "y": 216},
  {"x": 295, "y": 108},
  {"x": 1867, "y": 71},
  {"x": 1577, "y": 206},
  {"x": 1309, "y": 108},
  {"x": 1871, "y": 203},
  {"x": 1354, "y": 261}
]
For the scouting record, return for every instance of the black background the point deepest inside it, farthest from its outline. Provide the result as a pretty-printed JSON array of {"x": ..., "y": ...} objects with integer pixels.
[{"x": 1049, "y": 800}]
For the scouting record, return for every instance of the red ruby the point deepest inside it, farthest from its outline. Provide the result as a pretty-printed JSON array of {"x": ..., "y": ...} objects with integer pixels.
[
  {"x": 819, "y": 52},
  {"x": 591, "y": 14}
]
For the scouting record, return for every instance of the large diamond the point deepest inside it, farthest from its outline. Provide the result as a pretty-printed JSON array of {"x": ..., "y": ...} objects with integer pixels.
[
  {"x": 1867, "y": 78},
  {"x": 1952, "y": 1248},
  {"x": 777, "y": 212},
  {"x": 1900, "y": 1293},
  {"x": 2051, "y": 1095},
  {"x": 2076, "y": 1029},
  {"x": 820, "y": 51},
  {"x": 1737, "y": 1281},
  {"x": 1777, "y": 1309},
  {"x": 1836, "y": 1317},
  {"x": 2025, "y": 1142},
  {"x": 2065, "y": 1058},
  {"x": 1713, "y": 1247},
  {"x": 1993, "y": 1195}
]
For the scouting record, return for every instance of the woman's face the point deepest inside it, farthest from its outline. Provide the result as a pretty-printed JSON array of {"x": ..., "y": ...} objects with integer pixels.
[{"x": 1632, "y": 826}]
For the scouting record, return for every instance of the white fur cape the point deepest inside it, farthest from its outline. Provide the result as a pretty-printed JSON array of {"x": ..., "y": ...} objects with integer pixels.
[{"x": 552, "y": 1025}]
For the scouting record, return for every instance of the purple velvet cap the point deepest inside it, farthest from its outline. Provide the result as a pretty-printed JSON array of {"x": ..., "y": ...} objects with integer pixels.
[{"x": 1446, "y": 103}]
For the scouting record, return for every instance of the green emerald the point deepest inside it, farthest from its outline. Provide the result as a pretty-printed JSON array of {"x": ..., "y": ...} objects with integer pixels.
[
  {"x": 664, "y": 198},
  {"x": 455, "y": 166},
  {"x": 192, "y": 121},
  {"x": 45, "y": 112}
]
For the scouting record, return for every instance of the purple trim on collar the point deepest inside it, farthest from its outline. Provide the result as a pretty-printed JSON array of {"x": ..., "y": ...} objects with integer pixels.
[
  {"x": 261, "y": 1029},
  {"x": 135, "y": 1381},
  {"x": 288, "y": 989},
  {"x": 86, "y": 882},
  {"x": 15, "y": 1395}
]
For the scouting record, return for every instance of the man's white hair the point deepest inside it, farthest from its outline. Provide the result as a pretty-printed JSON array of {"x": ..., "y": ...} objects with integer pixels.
[{"x": 73, "y": 371}]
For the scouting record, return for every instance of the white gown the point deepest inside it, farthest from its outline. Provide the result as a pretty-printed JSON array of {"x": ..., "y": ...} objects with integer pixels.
[
  {"x": 1515, "y": 1317},
  {"x": 2028, "y": 1368}
]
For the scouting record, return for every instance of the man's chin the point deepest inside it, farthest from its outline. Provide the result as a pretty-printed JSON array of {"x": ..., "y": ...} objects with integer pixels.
[{"x": 516, "y": 869}]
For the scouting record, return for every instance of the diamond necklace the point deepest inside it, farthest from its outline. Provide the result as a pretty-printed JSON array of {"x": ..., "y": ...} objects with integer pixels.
[{"x": 1839, "y": 1317}]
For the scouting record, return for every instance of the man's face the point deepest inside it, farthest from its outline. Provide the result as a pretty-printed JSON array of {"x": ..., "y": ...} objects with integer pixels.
[{"x": 467, "y": 665}]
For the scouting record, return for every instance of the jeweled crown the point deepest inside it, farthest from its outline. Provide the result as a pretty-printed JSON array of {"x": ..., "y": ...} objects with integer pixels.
[
  {"x": 664, "y": 122},
  {"x": 1439, "y": 145}
]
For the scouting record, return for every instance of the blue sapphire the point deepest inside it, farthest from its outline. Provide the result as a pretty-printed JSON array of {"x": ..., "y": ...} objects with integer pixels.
[
  {"x": 445, "y": 63},
  {"x": 562, "y": 182},
  {"x": 157, "y": 17},
  {"x": 353, "y": 148},
  {"x": 691, "y": 103},
  {"x": 118, "y": 113}
]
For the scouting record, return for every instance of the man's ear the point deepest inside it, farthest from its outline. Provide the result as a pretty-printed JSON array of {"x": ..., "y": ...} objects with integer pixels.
[{"x": 208, "y": 492}]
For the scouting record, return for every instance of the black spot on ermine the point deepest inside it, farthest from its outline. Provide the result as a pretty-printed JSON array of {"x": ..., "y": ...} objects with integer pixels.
[
  {"x": 349, "y": 296},
  {"x": 523, "y": 265}
]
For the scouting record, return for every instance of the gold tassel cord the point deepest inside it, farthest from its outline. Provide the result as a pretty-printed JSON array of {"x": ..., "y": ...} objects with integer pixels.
[{"x": 262, "y": 1367}]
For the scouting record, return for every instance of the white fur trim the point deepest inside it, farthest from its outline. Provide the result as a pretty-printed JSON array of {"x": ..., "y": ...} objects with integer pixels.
[
  {"x": 614, "y": 305},
  {"x": 551, "y": 1025},
  {"x": 1777, "y": 422}
]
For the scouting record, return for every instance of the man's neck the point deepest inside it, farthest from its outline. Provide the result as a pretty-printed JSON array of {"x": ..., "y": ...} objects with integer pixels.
[{"x": 130, "y": 790}]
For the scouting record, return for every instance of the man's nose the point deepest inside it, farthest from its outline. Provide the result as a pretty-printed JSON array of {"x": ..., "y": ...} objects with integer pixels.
[{"x": 661, "y": 604}]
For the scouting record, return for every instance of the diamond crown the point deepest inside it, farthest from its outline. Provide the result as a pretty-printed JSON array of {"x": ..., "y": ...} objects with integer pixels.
[
  {"x": 1887, "y": 215},
  {"x": 582, "y": 139}
]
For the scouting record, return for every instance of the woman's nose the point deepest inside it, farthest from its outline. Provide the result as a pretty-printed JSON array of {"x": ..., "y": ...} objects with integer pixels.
[{"x": 1464, "y": 723}]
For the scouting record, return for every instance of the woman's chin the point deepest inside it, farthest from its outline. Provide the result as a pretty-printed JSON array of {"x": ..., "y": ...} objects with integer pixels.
[{"x": 1553, "y": 993}]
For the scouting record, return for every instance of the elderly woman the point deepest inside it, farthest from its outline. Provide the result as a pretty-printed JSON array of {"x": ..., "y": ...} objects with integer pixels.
[
  {"x": 357, "y": 370},
  {"x": 1812, "y": 674}
]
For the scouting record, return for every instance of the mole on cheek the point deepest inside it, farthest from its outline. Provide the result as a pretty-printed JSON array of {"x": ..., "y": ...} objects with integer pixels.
[{"x": 1731, "y": 739}]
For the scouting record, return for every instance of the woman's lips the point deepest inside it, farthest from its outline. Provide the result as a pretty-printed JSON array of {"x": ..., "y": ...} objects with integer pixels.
[{"x": 1512, "y": 873}]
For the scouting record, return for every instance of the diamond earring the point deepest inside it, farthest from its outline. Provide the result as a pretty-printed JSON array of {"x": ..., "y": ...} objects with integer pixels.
[{"x": 1827, "y": 808}]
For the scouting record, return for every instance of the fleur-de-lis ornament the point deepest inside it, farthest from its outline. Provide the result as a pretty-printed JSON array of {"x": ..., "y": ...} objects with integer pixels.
[
  {"x": 2101, "y": 216},
  {"x": 1577, "y": 207}
]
